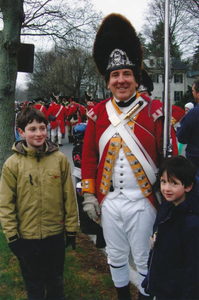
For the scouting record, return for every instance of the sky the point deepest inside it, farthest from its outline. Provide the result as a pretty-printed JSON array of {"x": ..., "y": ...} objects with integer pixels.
[{"x": 131, "y": 9}]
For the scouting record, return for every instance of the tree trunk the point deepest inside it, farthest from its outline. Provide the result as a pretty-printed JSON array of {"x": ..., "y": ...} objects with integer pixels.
[{"x": 9, "y": 44}]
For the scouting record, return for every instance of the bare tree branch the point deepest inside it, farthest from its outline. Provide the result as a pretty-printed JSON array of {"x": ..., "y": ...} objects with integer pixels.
[
  {"x": 184, "y": 21},
  {"x": 70, "y": 21}
]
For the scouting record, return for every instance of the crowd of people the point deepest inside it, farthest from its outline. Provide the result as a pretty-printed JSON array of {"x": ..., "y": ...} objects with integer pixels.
[
  {"x": 146, "y": 205},
  {"x": 62, "y": 114}
]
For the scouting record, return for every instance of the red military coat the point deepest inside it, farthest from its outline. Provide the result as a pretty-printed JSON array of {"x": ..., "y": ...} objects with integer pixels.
[
  {"x": 76, "y": 108},
  {"x": 60, "y": 120},
  {"x": 148, "y": 128},
  {"x": 41, "y": 108}
]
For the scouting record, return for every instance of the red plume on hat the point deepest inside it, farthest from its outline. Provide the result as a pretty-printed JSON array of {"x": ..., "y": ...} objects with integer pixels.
[{"x": 116, "y": 36}]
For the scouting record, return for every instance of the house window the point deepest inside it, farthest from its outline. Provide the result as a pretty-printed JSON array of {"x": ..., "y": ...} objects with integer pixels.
[
  {"x": 178, "y": 96},
  {"x": 151, "y": 62},
  {"x": 160, "y": 62},
  {"x": 155, "y": 78},
  {"x": 178, "y": 78}
]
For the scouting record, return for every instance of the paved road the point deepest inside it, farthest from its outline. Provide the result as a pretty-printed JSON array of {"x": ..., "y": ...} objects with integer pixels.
[{"x": 67, "y": 150}]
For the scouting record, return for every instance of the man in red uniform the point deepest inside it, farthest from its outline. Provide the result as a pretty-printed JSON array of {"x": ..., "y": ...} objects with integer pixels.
[
  {"x": 58, "y": 125},
  {"x": 121, "y": 153},
  {"x": 89, "y": 102},
  {"x": 38, "y": 105},
  {"x": 76, "y": 114},
  {"x": 146, "y": 88}
]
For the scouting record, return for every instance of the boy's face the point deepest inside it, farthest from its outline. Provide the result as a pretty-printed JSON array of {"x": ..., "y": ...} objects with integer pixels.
[
  {"x": 172, "y": 189},
  {"x": 35, "y": 135}
]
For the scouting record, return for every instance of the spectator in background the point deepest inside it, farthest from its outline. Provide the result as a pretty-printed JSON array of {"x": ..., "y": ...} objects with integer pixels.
[
  {"x": 187, "y": 107},
  {"x": 17, "y": 111},
  {"x": 187, "y": 132}
]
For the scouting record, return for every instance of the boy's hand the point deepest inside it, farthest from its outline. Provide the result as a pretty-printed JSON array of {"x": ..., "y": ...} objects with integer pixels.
[
  {"x": 16, "y": 247},
  {"x": 91, "y": 206},
  {"x": 70, "y": 239}
]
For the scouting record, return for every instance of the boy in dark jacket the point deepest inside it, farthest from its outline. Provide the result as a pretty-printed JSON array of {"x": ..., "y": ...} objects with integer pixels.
[
  {"x": 38, "y": 207},
  {"x": 174, "y": 256}
]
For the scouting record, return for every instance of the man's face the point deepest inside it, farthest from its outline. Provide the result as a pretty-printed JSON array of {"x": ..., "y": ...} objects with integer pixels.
[
  {"x": 122, "y": 84},
  {"x": 195, "y": 94},
  {"x": 35, "y": 134}
]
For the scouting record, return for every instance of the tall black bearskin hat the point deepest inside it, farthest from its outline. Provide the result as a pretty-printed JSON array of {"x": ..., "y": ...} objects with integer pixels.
[
  {"x": 117, "y": 46},
  {"x": 87, "y": 96},
  {"x": 146, "y": 83}
]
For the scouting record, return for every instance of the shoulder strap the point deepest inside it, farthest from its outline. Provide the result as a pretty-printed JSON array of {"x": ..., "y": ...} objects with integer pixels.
[
  {"x": 115, "y": 119},
  {"x": 132, "y": 143},
  {"x": 59, "y": 111}
]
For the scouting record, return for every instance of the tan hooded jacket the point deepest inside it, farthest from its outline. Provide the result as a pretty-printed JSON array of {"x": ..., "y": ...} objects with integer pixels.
[{"x": 37, "y": 198}]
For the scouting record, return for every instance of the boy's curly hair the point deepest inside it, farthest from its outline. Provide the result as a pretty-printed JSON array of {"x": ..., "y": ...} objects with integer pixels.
[
  {"x": 179, "y": 167},
  {"x": 28, "y": 115}
]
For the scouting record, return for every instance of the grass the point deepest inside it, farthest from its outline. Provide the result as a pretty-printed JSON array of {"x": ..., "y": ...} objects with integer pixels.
[{"x": 86, "y": 273}]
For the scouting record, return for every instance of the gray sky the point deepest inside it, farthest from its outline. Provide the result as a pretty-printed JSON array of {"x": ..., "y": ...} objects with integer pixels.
[{"x": 131, "y": 9}]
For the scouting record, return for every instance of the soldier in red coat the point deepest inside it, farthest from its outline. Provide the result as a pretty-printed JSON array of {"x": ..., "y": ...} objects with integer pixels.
[
  {"x": 57, "y": 126},
  {"x": 121, "y": 154},
  {"x": 76, "y": 113},
  {"x": 38, "y": 105},
  {"x": 146, "y": 88},
  {"x": 89, "y": 102}
]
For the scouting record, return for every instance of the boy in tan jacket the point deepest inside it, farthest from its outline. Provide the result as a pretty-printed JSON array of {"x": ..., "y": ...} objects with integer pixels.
[{"x": 38, "y": 207}]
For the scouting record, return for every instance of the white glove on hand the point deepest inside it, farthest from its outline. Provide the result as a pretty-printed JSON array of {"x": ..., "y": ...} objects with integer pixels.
[{"x": 91, "y": 206}]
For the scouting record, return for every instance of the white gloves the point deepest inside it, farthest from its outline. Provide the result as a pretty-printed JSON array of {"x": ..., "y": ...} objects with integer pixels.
[{"x": 91, "y": 206}]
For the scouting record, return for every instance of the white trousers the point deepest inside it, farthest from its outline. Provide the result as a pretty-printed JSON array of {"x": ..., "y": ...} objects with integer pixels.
[
  {"x": 127, "y": 226},
  {"x": 56, "y": 131}
]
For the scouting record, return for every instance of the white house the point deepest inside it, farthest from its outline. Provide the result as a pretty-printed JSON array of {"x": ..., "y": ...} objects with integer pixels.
[{"x": 180, "y": 77}]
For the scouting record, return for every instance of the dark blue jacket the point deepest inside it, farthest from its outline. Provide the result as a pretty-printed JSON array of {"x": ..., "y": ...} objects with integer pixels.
[
  {"x": 174, "y": 260},
  {"x": 188, "y": 132}
]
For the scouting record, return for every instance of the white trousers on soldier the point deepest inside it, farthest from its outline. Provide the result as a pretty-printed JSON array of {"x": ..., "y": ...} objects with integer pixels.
[
  {"x": 127, "y": 226},
  {"x": 56, "y": 131}
]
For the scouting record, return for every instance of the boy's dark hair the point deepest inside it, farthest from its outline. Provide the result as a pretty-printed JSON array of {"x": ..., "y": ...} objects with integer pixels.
[
  {"x": 178, "y": 166},
  {"x": 28, "y": 115}
]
